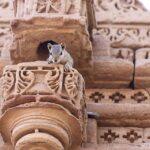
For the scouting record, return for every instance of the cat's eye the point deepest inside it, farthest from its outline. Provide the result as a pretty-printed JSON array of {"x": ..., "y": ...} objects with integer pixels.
[
  {"x": 61, "y": 53},
  {"x": 50, "y": 53}
]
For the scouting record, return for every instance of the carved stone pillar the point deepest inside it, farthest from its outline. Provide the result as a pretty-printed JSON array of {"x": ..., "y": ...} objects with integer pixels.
[
  {"x": 43, "y": 107},
  {"x": 63, "y": 21}
]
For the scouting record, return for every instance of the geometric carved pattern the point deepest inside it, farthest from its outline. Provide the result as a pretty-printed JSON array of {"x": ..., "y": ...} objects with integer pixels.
[
  {"x": 139, "y": 97},
  {"x": 132, "y": 136},
  {"x": 96, "y": 97},
  {"x": 117, "y": 97},
  {"x": 122, "y": 135},
  {"x": 110, "y": 136}
]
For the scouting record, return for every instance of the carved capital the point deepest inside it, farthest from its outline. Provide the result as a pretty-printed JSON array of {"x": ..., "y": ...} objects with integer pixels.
[{"x": 43, "y": 107}]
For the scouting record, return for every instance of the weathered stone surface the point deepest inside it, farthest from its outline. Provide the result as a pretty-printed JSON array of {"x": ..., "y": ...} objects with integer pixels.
[
  {"x": 120, "y": 135},
  {"x": 118, "y": 147},
  {"x": 120, "y": 11},
  {"x": 5, "y": 41},
  {"x": 92, "y": 136},
  {"x": 1, "y": 141},
  {"x": 112, "y": 72},
  {"x": 120, "y": 107},
  {"x": 43, "y": 107},
  {"x": 142, "y": 68}
]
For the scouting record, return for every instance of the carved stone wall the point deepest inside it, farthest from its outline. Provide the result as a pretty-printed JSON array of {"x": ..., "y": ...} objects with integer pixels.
[
  {"x": 120, "y": 27},
  {"x": 43, "y": 107}
]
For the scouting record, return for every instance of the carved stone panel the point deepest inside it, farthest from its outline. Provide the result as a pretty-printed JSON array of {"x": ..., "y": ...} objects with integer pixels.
[
  {"x": 42, "y": 78},
  {"x": 122, "y": 11},
  {"x": 43, "y": 107},
  {"x": 126, "y": 35},
  {"x": 29, "y": 8}
]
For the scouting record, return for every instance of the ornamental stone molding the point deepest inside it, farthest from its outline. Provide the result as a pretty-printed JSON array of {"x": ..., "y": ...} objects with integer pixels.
[{"x": 43, "y": 107}]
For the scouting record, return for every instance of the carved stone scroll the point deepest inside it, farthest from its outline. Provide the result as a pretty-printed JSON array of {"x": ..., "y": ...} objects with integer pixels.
[
  {"x": 74, "y": 86},
  {"x": 44, "y": 109},
  {"x": 53, "y": 79},
  {"x": 8, "y": 81},
  {"x": 129, "y": 36}
]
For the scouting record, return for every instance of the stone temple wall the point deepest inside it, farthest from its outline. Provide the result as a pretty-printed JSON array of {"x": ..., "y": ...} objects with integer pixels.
[{"x": 103, "y": 103}]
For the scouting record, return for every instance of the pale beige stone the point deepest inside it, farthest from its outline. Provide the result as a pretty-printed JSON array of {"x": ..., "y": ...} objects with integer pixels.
[
  {"x": 43, "y": 107},
  {"x": 142, "y": 68},
  {"x": 120, "y": 135},
  {"x": 122, "y": 114},
  {"x": 92, "y": 136}
]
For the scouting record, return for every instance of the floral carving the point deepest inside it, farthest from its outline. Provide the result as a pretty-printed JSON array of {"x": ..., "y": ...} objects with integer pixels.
[
  {"x": 53, "y": 79},
  {"x": 139, "y": 97},
  {"x": 74, "y": 85},
  {"x": 8, "y": 82},
  {"x": 110, "y": 136},
  {"x": 48, "y": 6},
  {"x": 132, "y": 136},
  {"x": 117, "y": 97},
  {"x": 118, "y": 5},
  {"x": 96, "y": 97},
  {"x": 25, "y": 79},
  {"x": 117, "y": 35},
  {"x": 114, "y": 35}
]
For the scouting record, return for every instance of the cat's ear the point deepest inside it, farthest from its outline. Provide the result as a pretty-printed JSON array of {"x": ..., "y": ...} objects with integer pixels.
[
  {"x": 49, "y": 46},
  {"x": 62, "y": 45}
]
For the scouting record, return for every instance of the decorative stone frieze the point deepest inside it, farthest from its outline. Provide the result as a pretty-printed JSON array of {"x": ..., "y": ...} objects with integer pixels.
[
  {"x": 43, "y": 107},
  {"x": 130, "y": 36},
  {"x": 122, "y": 11}
]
